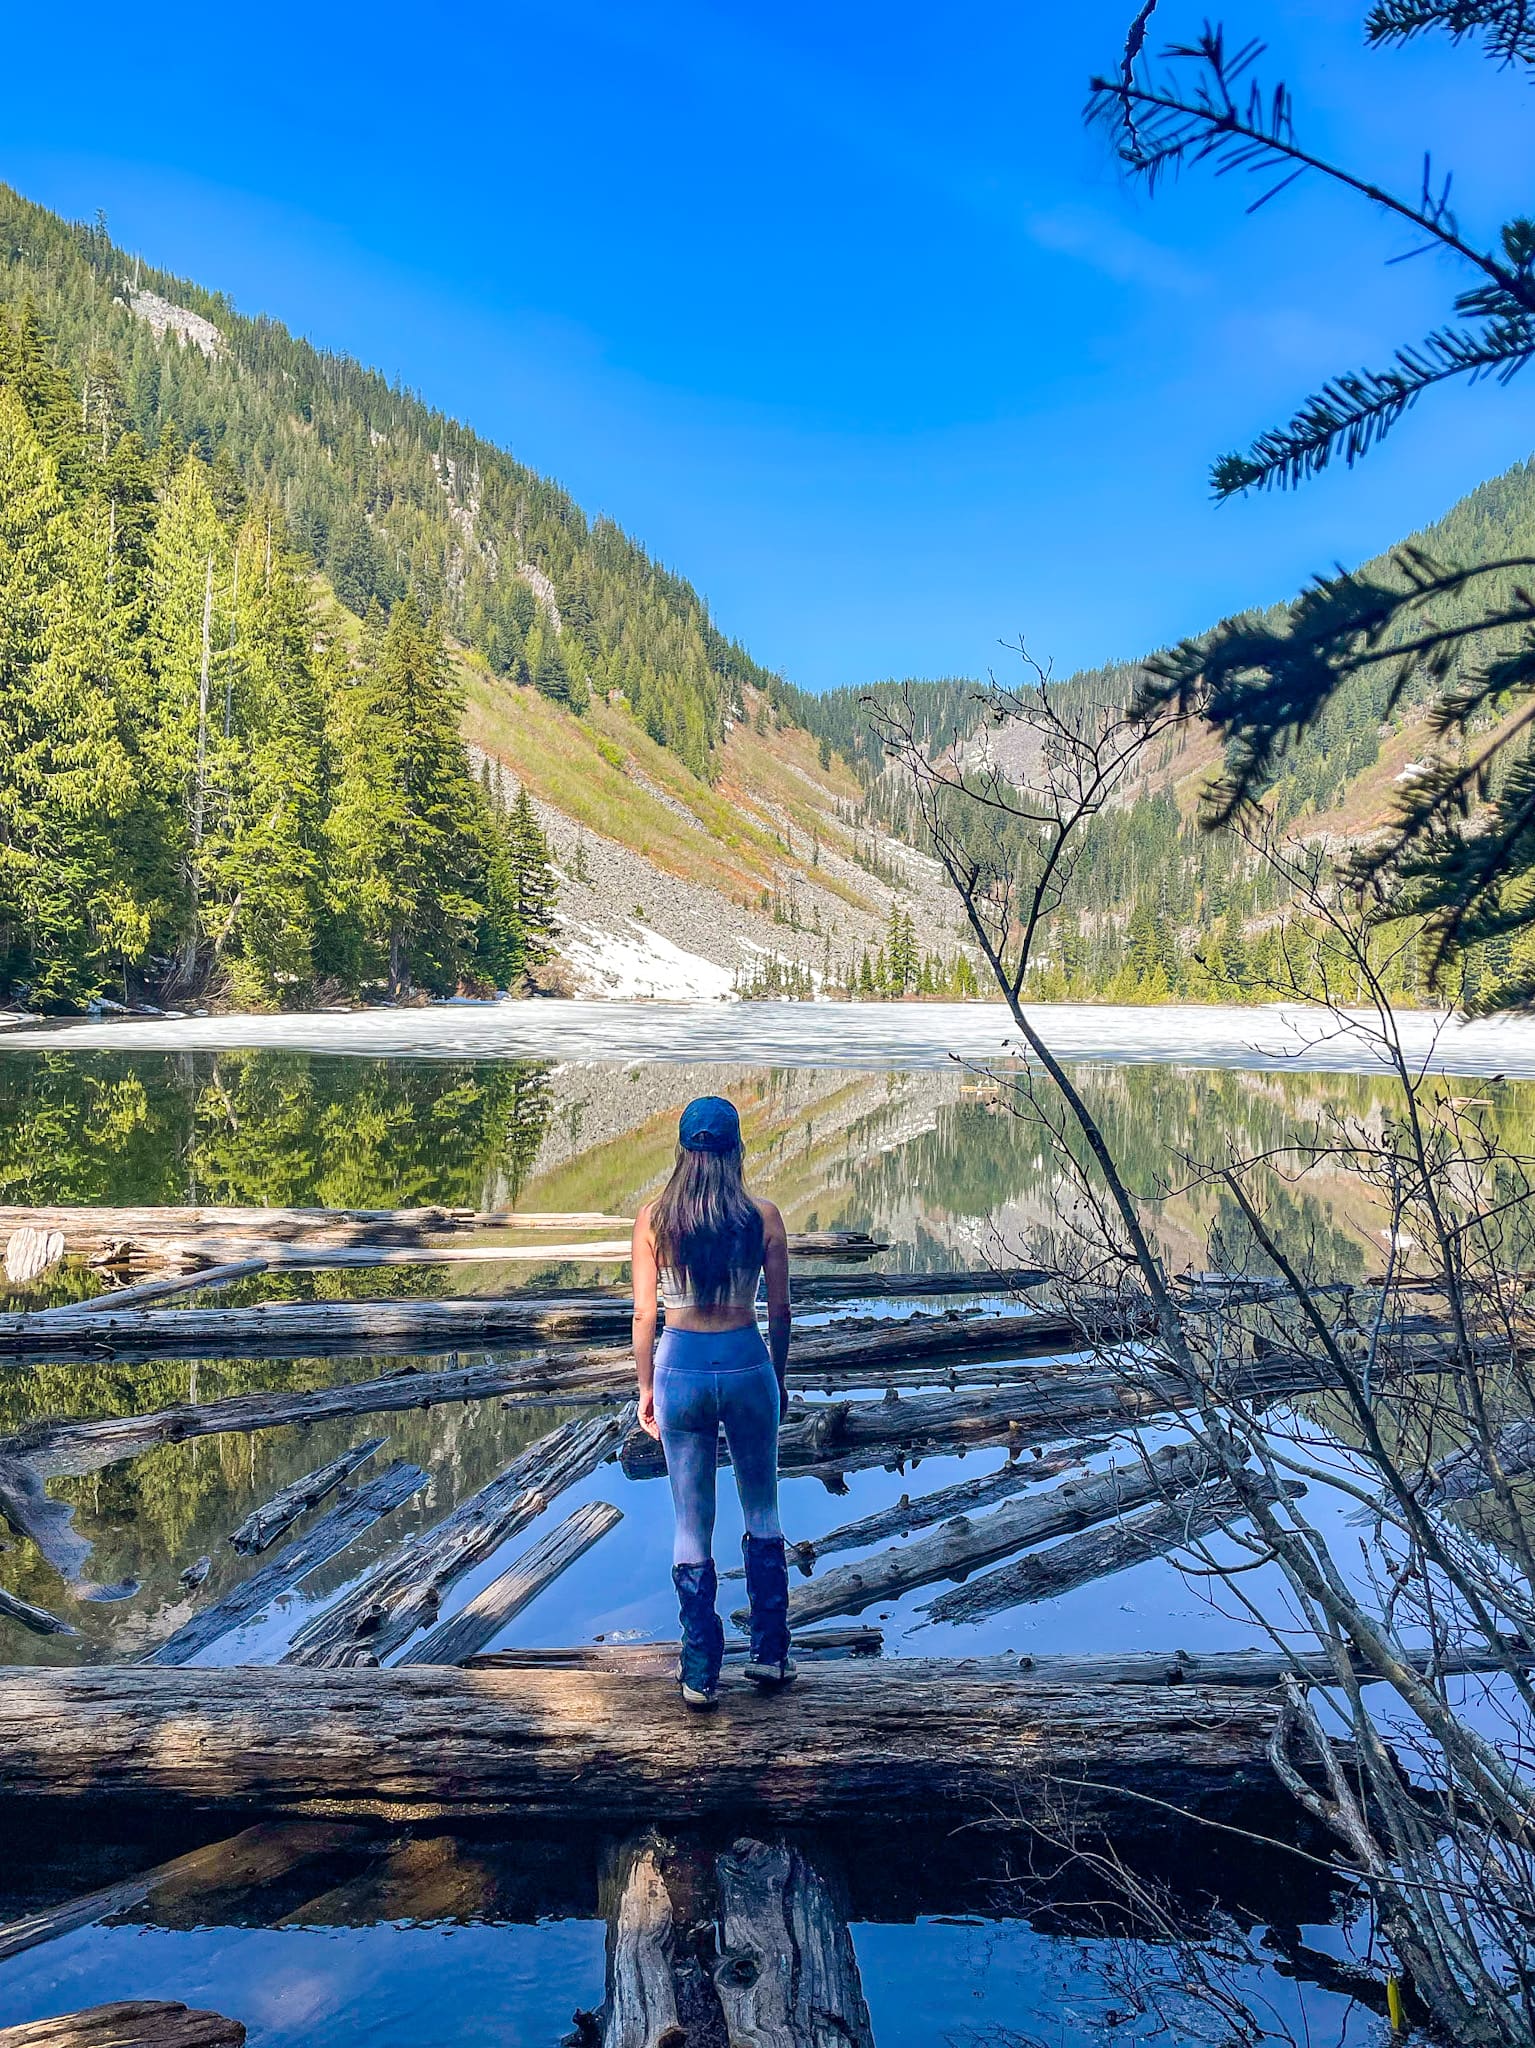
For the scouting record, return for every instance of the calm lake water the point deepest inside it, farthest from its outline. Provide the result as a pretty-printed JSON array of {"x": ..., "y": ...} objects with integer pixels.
[{"x": 933, "y": 1158}]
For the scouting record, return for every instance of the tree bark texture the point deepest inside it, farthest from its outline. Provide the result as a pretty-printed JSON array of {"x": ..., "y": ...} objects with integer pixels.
[
  {"x": 131, "y": 2023},
  {"x": 516, "y": 1588},
  {"x": 862, "y": 1740}
]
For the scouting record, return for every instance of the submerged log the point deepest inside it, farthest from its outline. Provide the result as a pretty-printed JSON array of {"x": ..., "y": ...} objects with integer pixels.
[
  {"x": 517, "y": 1587},
  {"x": 858, "y": 1641},
  {"x": 327, "y": 1539},
  {"x": 1466, "y": 1473},
  {"x": 1094, "y": 1555},
  {"x": 639, "y": 2008},
  {"x": 71, "y": 1448},
  {"x": 28, "y": 1509},
  {"x": 404, "y": 1590},
  {"x": 130, "y": 2023},
  {"x": 864, "y": 1740},
  {"x": 37, "y": 1619},
  {"x": 152, "y": 1290},
  {"x": 787, "y": 1976},
  {"x": 927, "y": 1508},
  {"x": 963, "y": 1545},
  {"x": 255, "y": 1856},
  {"x": 262, "y": 1526}
]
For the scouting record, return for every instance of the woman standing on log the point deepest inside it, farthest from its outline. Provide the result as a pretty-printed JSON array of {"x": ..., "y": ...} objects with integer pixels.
[{"x": 704, "y": 1243}]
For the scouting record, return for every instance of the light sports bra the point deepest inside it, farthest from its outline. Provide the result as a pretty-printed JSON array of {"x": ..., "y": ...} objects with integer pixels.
[{"x": 676, "y": 1289}]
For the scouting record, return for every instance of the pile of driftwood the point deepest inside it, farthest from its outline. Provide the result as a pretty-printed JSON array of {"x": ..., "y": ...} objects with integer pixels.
[{"x": 392, "y": 1698}]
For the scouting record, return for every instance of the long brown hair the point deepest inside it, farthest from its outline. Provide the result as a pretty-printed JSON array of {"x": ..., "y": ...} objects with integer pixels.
[{"x": 705, "y": 1224}]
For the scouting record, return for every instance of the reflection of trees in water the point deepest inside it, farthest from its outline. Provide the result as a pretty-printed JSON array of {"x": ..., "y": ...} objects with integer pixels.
[
  {"x": 265, "y": 1128},
  {"x": 986, "y": 1152},
  {"x": 151, "y": 1516}
]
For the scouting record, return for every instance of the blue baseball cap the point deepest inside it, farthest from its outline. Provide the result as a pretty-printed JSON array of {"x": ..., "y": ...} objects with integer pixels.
[{"x": 709, "y": 1124}]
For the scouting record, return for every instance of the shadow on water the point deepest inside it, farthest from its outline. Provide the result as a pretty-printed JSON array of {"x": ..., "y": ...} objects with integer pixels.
[{"x": 495, "y": 1934}]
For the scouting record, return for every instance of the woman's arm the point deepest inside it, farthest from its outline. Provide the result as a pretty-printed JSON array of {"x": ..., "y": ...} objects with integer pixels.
[
  {"x": 775, "y": 1270},
  {"x": 643, "y": 1266}
]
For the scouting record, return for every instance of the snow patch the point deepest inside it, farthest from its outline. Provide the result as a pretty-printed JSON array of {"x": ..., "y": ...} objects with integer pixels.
[{"x": 640, "y": 963}]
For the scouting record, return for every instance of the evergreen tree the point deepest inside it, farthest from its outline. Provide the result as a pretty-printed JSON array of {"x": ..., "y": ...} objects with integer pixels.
[{"x": 407, "y": 830}]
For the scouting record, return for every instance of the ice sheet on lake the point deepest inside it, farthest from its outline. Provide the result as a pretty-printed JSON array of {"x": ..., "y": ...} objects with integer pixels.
[{"x": 866, "y": 1035}]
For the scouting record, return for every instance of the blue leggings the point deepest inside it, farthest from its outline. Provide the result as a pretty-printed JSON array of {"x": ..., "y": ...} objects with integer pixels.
[{"x": 706, "y": 1378}]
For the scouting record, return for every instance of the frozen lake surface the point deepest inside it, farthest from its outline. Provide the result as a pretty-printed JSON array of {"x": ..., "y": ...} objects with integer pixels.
[{"x": 823, "y": 1034}]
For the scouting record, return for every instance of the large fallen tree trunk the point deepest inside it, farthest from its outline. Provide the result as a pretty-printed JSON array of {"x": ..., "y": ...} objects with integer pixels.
[
  {"x": 468, "y": 1631},
  {"x": 963, "y": 1545},
  {"x": 188, "y": 1237},
  {"x": 848, "y": 1435},
  {"x": 404, "y": 1590},
  {"x": 1094, "y": 1555},
  {"x": 1261, "y": 1668},
  {"x": 129, "y": 2023},
  {"x": 639, "y": 2007},
  {"x": 864, "y": 1741},
  {"x": 327, "y": 1539},
  {"x": 320, "y": 1329},
  {"x": 786, "y": 1972}
]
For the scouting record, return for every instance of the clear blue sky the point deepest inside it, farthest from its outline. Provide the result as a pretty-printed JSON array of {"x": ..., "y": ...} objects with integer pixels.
[{"x": 837, "y": 308}]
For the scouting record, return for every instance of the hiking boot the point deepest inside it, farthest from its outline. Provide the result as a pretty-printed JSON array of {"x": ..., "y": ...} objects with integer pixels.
[
  {"x": 703, "y": 1634},
  {"x": 767, "y": 1588}
]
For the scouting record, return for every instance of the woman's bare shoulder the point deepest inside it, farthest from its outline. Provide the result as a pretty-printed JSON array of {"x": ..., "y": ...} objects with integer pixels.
[{"x": 772, "y": 1220}]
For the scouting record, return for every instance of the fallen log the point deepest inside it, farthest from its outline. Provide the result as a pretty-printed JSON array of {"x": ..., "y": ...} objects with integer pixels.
[
  {"x": 1466, "y": 1472},
  {"x": 412, "y": 1326},
  {"x": 908, "y": 1514},
  {"x": 48, "y": 1523},
  {"x": 209, "y": 1235},
  {"x": 866, "y": 1740},
  {"x": 123, "y": 1235},
  {"x": 262, "y": 1526},
  {"x": 963, "y": 1545},
  {"x": 786, "y": 1972},
  {"x": 255, "y": 1856},
  {"x": 404, "y": 1591},
  {"x": 517, "y": 1587},
  {"x": 37, "y": 1619},
  {"x": 327, "y": 1539},
  {"x": 70, "y": 1448},
  {"x": 152, "y": 1290},
  {"x": 859, "y": 1641},
  {"x": 639, "y": 2007},
  {"x": 1094, "y": 1555},
  {"x": 848, "y": 1435},
  {"x": 1259, "y": 1668},
  {"x": 31, "y": 1251},
  {"x": 130, "y": 2023}
]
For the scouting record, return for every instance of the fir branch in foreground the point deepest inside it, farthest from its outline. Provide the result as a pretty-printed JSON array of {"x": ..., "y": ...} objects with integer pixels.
[
  {"x": 1507, "y": 27},
  {"x": 1352, "y": 413}
]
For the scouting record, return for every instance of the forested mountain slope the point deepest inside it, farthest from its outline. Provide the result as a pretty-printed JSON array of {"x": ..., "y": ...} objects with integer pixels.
[
  {"x": 1162, "y": 908},
  {"x": 255, "y": 591}
]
